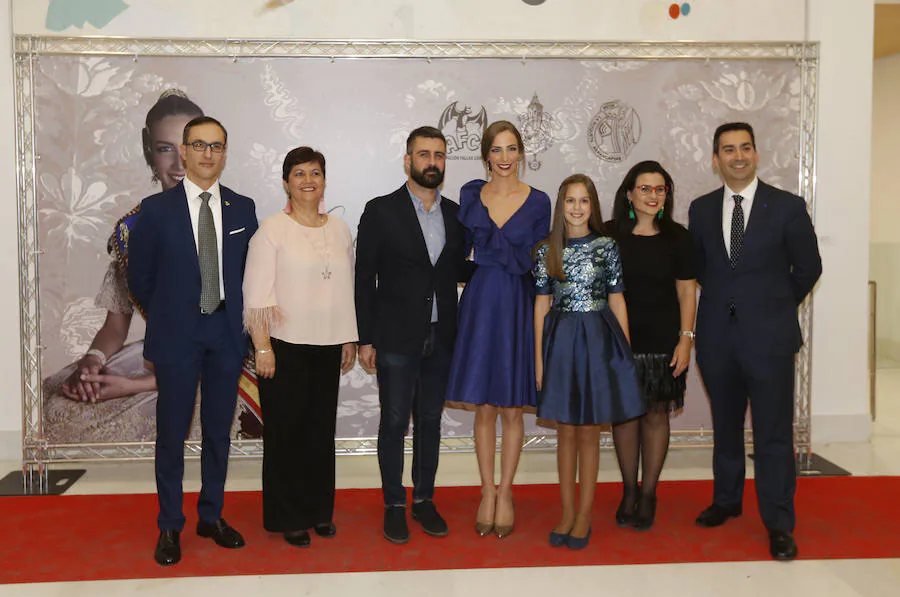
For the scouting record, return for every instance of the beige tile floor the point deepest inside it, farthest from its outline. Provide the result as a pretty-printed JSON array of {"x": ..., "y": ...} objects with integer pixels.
[{"x": 841, "y": 578}]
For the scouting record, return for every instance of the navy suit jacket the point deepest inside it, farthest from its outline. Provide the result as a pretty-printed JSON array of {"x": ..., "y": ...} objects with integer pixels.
[
  {"x": 778, "y": 267},
  {"x": 395, "y": 281},
  {"x": 164, "y": 270}
]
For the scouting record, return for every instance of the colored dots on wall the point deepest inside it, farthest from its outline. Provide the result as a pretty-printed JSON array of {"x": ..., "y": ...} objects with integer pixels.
[{"x": 683, "y": 10}]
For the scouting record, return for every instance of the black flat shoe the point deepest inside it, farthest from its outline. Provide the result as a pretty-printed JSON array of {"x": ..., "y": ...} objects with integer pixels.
[
  {"x": 645, "y": 514},
  {"x": 627, "y": 508},
  {"x": 782, "y": 546},
  {"x": 222, "y": 533},
  {"x": 716, "y": 515},
  {"x": 426, "y": 514},
  {"x": 395, "y": 528},
  {"x": 168, "y": 548},
  {"x": 297, "y": 538},
  {"x": 327, "y": 530}
]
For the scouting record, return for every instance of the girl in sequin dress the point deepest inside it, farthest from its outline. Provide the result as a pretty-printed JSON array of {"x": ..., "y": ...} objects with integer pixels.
[{"x": 583, "y": 363}]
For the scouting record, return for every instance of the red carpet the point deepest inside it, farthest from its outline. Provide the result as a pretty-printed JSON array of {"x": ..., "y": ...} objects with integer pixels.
[{"x": 71, "y": 538}]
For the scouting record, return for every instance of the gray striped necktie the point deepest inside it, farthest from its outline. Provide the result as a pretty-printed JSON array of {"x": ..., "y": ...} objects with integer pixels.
[{"x": 208, "y": 252}]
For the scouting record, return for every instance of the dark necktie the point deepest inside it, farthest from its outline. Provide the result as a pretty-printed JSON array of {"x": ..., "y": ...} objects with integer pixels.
[
  {"x": 737, "y": 231},
  {"x": 208, "y": 253}
]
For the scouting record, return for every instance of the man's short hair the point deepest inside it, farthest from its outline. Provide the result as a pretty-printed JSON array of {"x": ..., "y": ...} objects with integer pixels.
[
  {"x": 197, "y": 122},
  {"x": 732, "y": 126},
  {"x": 424, "y": 132}
]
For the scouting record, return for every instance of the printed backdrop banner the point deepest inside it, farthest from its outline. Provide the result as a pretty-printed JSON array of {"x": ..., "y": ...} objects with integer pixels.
[{"x": 597, "y": 117}]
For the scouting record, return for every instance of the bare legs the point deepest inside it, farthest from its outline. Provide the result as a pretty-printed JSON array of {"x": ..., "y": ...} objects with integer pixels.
[
  {"x": 496, "y": 502},
  {"x": 578, "y": 449}
]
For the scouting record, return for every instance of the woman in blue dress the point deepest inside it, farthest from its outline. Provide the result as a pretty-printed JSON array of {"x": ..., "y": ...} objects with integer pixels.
[
  {"x": 493, "y": 364},
  {"x": 584, "y": 366}
]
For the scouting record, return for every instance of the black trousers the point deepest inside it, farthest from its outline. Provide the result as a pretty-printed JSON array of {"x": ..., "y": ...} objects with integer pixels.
[
  {"x": 733, "y": 377},
  {"x": 299, "y": 408}
]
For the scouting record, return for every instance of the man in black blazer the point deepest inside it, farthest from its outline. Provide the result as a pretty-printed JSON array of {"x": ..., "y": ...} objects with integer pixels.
[
  {"x": 186, "y": 260},
  {"x": 410, "y": 253},
  {"x": 758, "y": 258}
]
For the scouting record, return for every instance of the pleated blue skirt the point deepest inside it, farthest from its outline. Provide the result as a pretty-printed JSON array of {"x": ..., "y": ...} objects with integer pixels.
[{"x": 589, "y": 370}]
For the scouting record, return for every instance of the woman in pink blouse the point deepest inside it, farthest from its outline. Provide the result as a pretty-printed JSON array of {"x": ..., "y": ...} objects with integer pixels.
[{"x": 298, "y": 301}]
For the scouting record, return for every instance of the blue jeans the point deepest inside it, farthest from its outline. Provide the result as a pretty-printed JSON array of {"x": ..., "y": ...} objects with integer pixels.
[{"x": 411, "y": 384}]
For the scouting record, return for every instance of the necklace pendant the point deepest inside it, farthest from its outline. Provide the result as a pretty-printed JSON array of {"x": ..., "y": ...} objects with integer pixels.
[{"x": 326, "y": 274}]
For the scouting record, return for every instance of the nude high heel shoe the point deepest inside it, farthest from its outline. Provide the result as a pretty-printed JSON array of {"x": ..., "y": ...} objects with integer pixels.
[
  {"x": 505, "y": 530},
  {"x": 484, "y": 528}
]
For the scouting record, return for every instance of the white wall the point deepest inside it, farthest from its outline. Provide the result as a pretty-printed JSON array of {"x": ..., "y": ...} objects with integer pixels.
[
  {"x": 839, "y": 401},
  {"x": 884, "y": 264},
  {"x": 719, "y": 20}
]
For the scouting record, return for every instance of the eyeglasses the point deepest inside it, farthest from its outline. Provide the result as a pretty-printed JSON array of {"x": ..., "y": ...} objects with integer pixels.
[
  {"x": 200, "y": 146},
  {"x": 647, "y": 189}
]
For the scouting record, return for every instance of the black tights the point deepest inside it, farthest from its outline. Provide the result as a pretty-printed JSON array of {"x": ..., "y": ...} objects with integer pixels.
[{"x": 642, "y": 439}]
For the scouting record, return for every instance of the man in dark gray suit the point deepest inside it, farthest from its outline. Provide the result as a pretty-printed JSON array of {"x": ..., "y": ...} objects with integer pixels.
[{"x": 758, "y": 258}]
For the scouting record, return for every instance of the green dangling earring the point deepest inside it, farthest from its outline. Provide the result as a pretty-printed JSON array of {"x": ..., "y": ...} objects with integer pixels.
[
  {"x": 659, "y": 216},
  {"x": 630, "y": 210}
]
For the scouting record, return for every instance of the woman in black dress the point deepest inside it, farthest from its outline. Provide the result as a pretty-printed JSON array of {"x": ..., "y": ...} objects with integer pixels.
[{"x": 660, "y": 291}]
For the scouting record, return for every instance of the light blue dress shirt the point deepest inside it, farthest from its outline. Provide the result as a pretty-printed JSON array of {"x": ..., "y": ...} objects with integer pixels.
[{"x": 432, "y": 224}]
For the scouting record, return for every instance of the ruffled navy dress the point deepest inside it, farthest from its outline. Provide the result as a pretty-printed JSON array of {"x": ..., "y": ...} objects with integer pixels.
[
  {"x": 589, "y": 371},
  {"x": 493, "y": 361}
]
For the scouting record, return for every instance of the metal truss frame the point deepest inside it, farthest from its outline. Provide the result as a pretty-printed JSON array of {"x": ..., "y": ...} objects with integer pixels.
[{"x": 37, "y": 453}]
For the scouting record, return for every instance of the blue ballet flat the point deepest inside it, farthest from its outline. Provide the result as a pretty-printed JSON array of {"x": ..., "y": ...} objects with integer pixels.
[
  {"x": 558, "y": 539},
  {"x": 578, "y": 542}
]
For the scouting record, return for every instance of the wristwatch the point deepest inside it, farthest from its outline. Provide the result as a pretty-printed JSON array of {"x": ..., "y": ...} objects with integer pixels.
[{"x": 689, "y": 333}]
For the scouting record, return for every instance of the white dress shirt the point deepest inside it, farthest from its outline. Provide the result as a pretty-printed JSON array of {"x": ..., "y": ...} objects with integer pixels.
[
  {"x": 728, "y": 209},
  {"x": 215, "y": 205}
]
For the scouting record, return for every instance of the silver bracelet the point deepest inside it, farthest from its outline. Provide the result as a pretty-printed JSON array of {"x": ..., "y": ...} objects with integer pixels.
[
  {"x": 96, "y": 352},
  {"x": 263, "y": 350},
  {"x": 689, "y": 333}
]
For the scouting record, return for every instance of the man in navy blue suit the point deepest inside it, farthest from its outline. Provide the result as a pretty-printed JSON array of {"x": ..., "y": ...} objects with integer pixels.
[
  {"x": 185, "y": 268},
  {"x": 758, "y": 258}
]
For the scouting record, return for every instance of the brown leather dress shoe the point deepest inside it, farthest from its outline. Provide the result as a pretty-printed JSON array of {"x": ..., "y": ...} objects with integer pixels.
[
  {"x": 782, "y": 545},
  {"x": 222, "y": 533},
  {"x": 168, "y": 548}
]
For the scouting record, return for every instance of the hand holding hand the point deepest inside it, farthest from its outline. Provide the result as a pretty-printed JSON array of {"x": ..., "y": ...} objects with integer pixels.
[
  {"x": 111, "y": 386},
  {"x": 76, "y": 387}
]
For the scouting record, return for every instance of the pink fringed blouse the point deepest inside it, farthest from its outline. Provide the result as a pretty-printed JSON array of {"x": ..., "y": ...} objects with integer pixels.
[{"x": 299, "y": 280}]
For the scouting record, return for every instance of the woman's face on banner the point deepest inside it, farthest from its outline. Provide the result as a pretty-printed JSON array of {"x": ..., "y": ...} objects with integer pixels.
[{"x": 165, "y": 137}]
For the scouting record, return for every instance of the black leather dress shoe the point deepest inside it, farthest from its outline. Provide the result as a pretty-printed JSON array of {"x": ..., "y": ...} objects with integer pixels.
[
  {"x": 716, "y": 515},
  {"x": 782, "y": 545},
  {"x": 395, "y": 527},
  {"x": 222, "y": 533},
  {"x": 168, "y": 548},
  {"x": 327, "y": 530},
  {"x": 297, "y": 538},
  {"x": 426, "y": 514}
]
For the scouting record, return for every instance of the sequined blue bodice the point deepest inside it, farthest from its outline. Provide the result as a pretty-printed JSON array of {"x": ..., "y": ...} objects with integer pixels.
[{"x": 593, "y": 270}]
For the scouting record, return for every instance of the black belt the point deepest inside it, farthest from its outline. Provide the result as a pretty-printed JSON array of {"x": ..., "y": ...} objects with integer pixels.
[{"x": 219, "y": 307}]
